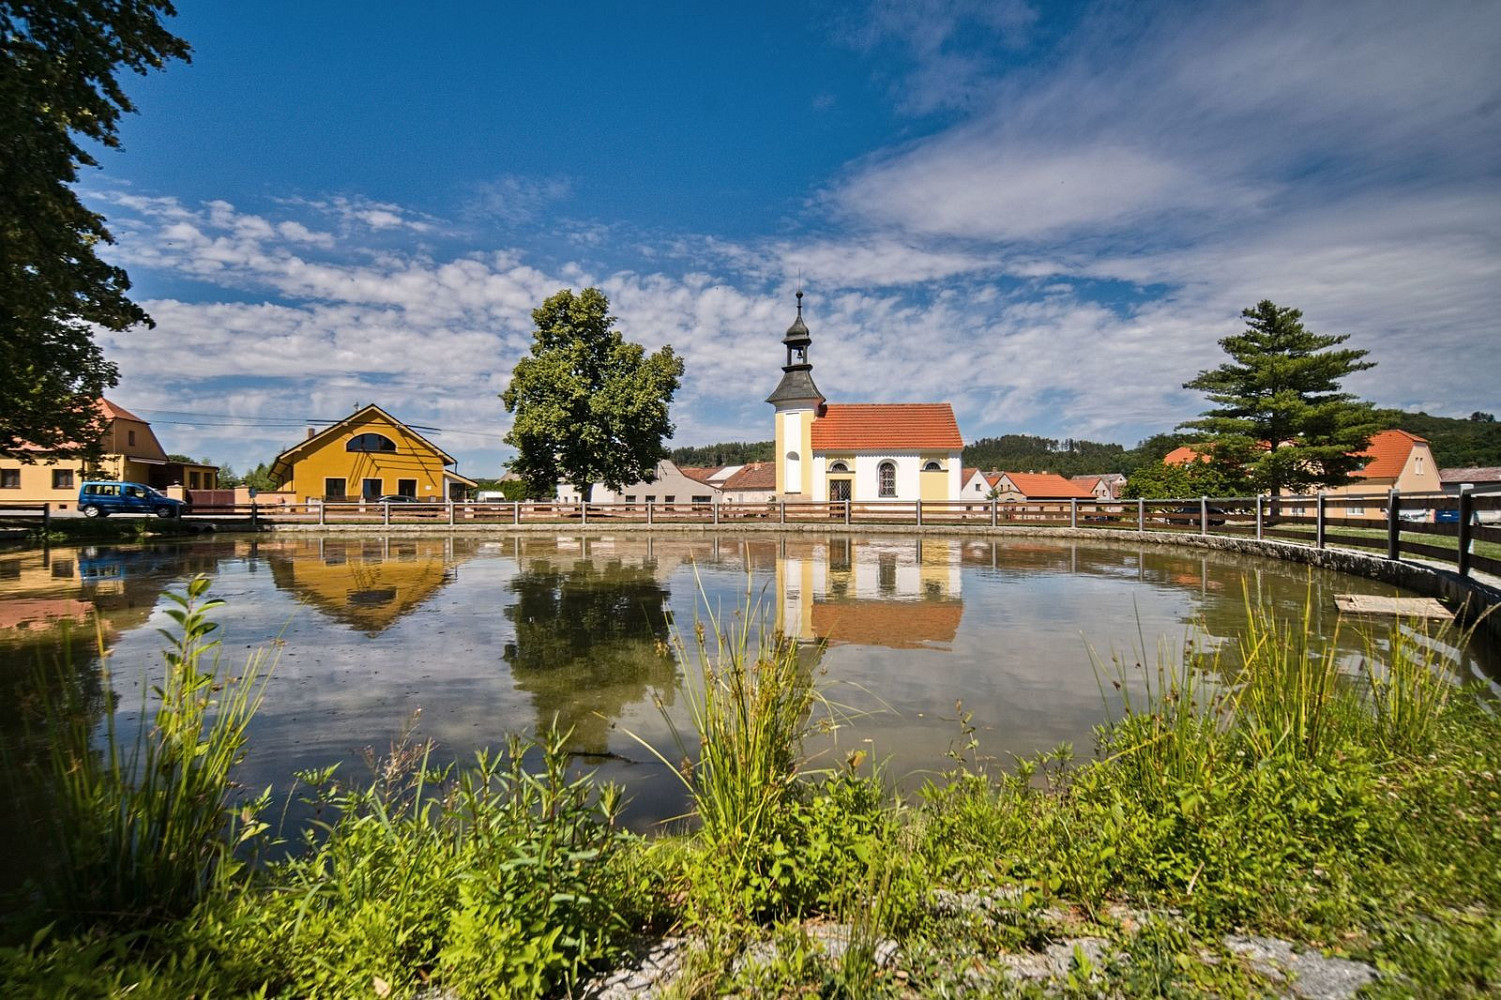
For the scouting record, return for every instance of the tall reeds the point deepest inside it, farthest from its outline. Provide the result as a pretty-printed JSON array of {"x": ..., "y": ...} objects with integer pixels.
[{"x": 148, "y": 826}]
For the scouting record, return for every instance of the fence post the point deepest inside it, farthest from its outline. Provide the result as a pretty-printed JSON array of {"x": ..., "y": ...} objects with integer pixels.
[
  {"x": 1258, "y": 517},
  {"x": 1203, "y": 515},
  {"x": 1466, "y": 515},
  {"x": 1073, "y": 512},
  {"x": 782, "y": 516},
  {"x": 649, "y": 505},
  {"x": 995, "y": 504},
  {"x": 46, "y": 517},
  {"x": 322, "y": 512},
  {"x": 450, "y": 512},
  {"x": 1141, "y": 514},
  {"x": 1393, "y": 524},
  {"x": 515, "y": 511},
  {"x": 385, "y": 513},
  {"x": 846, "y": 511},
  {"x": 1318, "y": 520},
  {"x": 255, "y": 516},
  {"x": 715, "y": 505},
  {"x": 919, "y": 512},
  {"x": 583, "y": 511}
]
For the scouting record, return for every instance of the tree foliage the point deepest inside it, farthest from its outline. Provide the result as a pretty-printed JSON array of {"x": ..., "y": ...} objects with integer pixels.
[
  {"x": 1457, "y": 442},
  {"x": 1279, "y": 409},
  {"x": 590, "y": 407},
  {"x": 58, "y": 89}
]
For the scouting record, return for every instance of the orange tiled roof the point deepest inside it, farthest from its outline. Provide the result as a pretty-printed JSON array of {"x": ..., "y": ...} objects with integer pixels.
[
  {"x": 965, "y": 475},
  {"x": 753, "y": 476},
  {"x": 1085, "y": 482},
  {"x": 1046, "y": 486},
  {"x": 886, "y": 426},
  {"x": 114, "y": 411},
  {"x": 700, "y": 473},
  {"x": 1387, "y": 454},
  {"x": 1184, "y": 454}
]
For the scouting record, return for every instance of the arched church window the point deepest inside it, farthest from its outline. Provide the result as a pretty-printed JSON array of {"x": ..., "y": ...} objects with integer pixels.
[
  {"x": 370, "y": 442},
  {"x": 887, "y": 473},
  {"x": 932, "y": 467},
  {"x": 839, "y": 467}
]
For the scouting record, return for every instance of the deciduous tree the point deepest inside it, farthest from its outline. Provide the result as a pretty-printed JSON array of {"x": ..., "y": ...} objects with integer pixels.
[
  {"x": 590, "y": 406},
  {"x": 59, "y": 61},
  {"x": 1279, "y": 407}
]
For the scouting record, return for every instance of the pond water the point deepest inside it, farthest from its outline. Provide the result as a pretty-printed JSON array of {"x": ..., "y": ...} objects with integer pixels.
[{"x": 488, "y": 636}]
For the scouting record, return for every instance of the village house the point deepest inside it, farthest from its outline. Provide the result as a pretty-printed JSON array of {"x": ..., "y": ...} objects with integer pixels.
[
  {"x": 367, "y": 455},
  {"x": 1022, "y": 487},
  {"x": 1103, "y": 487},
  {"x": 858, "y": 451},
  {"x": 1394, "y": 460},
  {"x": 1473, "y": 479},
  {"x": 667, "y": 486},
  {"x": 128, "y": 451}
]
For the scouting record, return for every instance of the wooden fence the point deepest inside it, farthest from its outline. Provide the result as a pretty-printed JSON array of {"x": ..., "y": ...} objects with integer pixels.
[{"x": 1433, "y": 527}]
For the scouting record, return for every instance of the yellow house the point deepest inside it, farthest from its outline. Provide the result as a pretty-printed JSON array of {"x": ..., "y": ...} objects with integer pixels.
[
  {"x": 367, "y": 455},
  {"x": 128, "y": 452}
]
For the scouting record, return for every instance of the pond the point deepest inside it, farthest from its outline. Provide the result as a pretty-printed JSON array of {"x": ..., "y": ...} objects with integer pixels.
[{"x": 486, "y": 636}]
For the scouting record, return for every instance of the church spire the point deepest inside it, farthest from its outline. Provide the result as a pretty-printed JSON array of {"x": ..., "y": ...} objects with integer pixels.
[{"x": 796, "y": 388}]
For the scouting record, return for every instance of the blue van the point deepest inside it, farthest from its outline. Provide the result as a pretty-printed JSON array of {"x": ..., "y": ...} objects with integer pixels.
[{"x": 101, "y": 499}]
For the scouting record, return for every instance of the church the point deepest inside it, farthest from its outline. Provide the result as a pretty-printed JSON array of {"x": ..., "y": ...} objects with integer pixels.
[{"x": 858, "y": 451}]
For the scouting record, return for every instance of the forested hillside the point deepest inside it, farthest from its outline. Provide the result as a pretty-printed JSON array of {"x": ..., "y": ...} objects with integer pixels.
[
  {"x": 1456, "y": 442},
  {"x": 726, "y": 453}
]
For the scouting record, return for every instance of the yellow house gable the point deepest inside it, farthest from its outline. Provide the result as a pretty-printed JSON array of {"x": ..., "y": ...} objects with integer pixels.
[{"x": 366, "y": 455}]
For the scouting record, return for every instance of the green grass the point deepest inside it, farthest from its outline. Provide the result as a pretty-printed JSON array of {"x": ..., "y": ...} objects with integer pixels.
[{"x": 1262, "y": 791}]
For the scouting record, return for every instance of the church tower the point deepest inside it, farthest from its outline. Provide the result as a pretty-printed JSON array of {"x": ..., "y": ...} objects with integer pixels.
[{"x": 797, "y": 401}]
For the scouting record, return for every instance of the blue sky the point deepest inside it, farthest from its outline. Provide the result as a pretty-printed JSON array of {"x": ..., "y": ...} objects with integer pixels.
[{"x": 1047, "y": 214}]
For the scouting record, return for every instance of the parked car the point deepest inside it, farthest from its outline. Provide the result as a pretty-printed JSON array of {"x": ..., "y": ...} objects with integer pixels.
[
  {"x": 1216, "y": 514},
  {"x": 397, "y": 498},
  {"x": 98, "y": 498}
]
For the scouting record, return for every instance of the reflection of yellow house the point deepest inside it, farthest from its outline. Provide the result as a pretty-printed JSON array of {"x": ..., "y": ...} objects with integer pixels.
[
  {"x": 873, "y": 592},
  {"x": 365, "y": 583},
  {"x": 366, "y": 455},
  {"x": 128, "y": 451}
]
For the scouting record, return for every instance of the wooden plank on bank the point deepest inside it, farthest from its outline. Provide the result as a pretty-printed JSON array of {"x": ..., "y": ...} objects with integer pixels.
[{"x": 1402, "y": 607}]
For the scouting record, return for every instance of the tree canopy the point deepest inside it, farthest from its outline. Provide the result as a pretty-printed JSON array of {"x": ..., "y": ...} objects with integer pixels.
[
  {"x": 590, "y": 406},
  {"x": 59, "y": 61},
  {"x": 1280, "y": 413}
]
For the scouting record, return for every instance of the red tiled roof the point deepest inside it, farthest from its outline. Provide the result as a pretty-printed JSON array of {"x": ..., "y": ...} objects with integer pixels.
[
  {"x": 753, "y": 476},
  {"x": 1473, "y": 474},
  {"x": 1046, "y": 486},
  {"x": 1184, "y": 454},
  {"x": 700, "y": 473},
  {"x": 886, "y": 426},
  {"x": 1387, "y": 454},
  {"x": 1085, "y": 482},
  {"x": 965, "y": 475},
  {"x": 116, "y": 412}
]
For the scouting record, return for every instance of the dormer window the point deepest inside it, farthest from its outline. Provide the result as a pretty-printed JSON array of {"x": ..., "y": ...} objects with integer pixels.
[{"x": 370, "y": 442}]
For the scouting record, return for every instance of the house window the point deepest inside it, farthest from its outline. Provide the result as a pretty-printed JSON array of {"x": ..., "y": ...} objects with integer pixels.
[
  {"x": 130, "y": 438},
  {"x": 333, "y": 489},
  {"x": 62, "y": 479},
  {"x": 10, "y": 479},
  {"x": 370, "y": 442},
  {"x": 887, "y": 477},
  {"x": 192, "y": 480},
  {"x": 932, "y": 467},
  {"x": 1355, "y": 510},
  {"x": 669, "y": 498},
  {"x": 371, "y": 489},
  {"x": 1417, "y": 465},
  {"x": 702, "y": 499},
  {"x": 630, "y": 498},
  {"x": 839, "y": 467},
  {"x": 406, "y": 487}
]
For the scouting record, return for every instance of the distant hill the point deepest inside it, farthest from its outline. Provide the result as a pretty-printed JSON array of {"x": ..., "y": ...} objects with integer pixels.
[
  {"x": 1457, "y": 442},
  {"x": 727, "y": 453}
]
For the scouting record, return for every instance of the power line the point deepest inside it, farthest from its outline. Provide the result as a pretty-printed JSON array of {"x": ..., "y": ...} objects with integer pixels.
[{"x": 216, "y": 420}]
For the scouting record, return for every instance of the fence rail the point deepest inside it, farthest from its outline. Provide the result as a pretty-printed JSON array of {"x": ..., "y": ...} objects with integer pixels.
[{"x": 1462, "y": 530}]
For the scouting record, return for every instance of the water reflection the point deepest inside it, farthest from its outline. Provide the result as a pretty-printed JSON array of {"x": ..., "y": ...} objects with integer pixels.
[
  {"x": 590, "y": 639},
  {"x": 494, "y": 635}
]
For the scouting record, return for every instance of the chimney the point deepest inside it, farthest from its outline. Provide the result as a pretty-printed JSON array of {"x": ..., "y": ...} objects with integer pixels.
[{"x": 310, "y": 432}]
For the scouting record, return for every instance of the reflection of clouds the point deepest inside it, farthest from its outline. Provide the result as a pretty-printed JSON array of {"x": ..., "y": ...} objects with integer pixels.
[{"x": 1018, "y": 656}]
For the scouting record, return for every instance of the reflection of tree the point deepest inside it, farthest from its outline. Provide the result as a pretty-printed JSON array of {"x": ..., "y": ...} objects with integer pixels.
[{"x": 589, "y": 640}]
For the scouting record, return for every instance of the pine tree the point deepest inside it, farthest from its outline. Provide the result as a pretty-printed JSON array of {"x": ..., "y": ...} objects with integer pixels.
[{"x": 1280, "y": 410}]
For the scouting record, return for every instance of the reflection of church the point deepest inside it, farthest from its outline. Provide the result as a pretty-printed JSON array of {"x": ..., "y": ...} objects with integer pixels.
[{"x": 897, "y": 592}]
